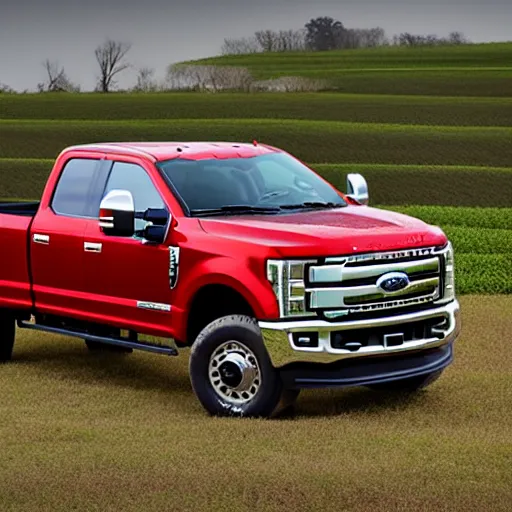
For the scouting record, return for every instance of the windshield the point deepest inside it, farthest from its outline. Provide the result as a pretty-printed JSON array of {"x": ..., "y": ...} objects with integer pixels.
[{"x": 262, "y": 184}]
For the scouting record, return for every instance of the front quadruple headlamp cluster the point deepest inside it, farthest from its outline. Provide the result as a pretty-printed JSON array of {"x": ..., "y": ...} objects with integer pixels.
[
  {"x": 449, "y": 273},
  {"x": 287, "y": 280}
]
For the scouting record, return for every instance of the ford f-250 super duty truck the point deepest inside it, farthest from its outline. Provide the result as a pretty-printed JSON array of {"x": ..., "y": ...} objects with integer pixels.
[{"x": 275, "y": 279}]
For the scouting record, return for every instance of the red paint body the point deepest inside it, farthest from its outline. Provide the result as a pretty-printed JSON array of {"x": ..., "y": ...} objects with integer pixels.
[{"x": 62, "y": 279}]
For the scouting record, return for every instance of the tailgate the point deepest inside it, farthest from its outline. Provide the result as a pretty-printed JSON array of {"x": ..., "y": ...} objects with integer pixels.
[{"x": 14, "y": 270}]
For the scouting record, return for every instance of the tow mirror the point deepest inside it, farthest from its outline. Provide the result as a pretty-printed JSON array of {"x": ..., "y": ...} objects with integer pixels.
[
  {"x": 117, "y": 214},
  {"x": 156, "y": 230},
  {"x": 157, "y": 216},
  {"x": 357, "y": 188}
]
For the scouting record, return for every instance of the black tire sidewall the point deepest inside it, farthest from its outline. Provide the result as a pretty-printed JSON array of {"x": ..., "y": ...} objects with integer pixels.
[{"x": 244, "y": 330}]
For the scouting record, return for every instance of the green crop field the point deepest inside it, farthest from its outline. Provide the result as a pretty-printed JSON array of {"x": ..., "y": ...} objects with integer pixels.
[
  {"x": 474, "y": 70},
  {"x": 353, "y": 108},
  {"x": 431, "y": 130}
]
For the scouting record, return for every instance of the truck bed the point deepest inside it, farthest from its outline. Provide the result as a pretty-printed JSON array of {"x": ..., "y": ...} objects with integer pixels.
[{"x": 26, "y": 209}]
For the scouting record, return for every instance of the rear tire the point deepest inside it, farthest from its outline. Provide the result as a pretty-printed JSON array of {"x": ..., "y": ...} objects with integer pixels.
[
  {"x": 7, "y": 335},
  {"x": 231, "y": 372},
  {"x": 409, "y": 385}
]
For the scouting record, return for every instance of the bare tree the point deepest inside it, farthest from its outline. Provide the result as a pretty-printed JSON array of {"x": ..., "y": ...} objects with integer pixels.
[
  {"x": 267, "y": 39},
  {"x": 240, "y": 46},
  {"x": 457, "y": 38},
  {"x": 407, "y": 39},
  {"x": 5, "y": 89},
  {"x": 145, "y": 80},
  {"x": 208, "y": 78},
  {"x": 111, "y": 60},
  {"x": 56, "y": 79},
  {"x": 290, "y": 40}
]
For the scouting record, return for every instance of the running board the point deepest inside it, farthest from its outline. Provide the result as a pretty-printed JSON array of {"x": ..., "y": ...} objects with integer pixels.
[{"x": 120, "y": 342}]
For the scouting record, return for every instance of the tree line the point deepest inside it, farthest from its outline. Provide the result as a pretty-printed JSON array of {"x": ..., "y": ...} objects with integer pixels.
[{"x": 326, "y": 33}]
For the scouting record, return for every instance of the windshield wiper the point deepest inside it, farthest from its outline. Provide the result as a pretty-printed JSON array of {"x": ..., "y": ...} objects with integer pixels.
[
  {"x": 311, "y": 204},
  {"x": 234, "y": 209}
]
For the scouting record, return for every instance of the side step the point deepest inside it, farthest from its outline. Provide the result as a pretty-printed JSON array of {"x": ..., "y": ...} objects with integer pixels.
[{"x": 120, "y": 342}]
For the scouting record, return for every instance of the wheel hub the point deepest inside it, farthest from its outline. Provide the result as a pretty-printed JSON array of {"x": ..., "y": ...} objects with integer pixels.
[
  {"x": 231, "y": 373},
  {"x": 234, "y": 373}
]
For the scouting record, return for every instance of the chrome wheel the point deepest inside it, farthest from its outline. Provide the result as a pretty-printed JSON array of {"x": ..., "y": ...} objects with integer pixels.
[{"x": 234, "y": 373}]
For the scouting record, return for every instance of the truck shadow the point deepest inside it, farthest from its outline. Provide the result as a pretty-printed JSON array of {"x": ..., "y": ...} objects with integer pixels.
[
  {"x": 136, "y": 370},
  {"x": 169, "y": 377}
]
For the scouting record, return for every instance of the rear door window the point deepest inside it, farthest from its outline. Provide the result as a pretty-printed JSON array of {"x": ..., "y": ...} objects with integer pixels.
[{"x": 74, "y": 187}]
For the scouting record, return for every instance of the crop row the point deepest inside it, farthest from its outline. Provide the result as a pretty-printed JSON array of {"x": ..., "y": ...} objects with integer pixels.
[
  {"x": 312, "y": 141},
  {"x": 456, "y": 216},
  {"x": 359, "y": 108},
  {"x": 483, "y": 273},
  {"x": 428, "y": 185}
]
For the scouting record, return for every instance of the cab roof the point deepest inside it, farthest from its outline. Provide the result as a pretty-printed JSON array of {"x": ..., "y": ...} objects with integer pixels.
[{"x": 159, "y": 151}]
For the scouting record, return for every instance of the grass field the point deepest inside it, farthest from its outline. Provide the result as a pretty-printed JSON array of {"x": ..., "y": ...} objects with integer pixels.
[
  {"x": 84, "y": 431},
  {"x": 474, "y": 70},
  {"x": 354, "y": 108}
]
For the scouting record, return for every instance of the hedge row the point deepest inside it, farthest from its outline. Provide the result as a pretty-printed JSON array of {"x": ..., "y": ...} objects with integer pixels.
[
  {"x": 359, "y": 108},
  {"x": 312, "y": 141}
]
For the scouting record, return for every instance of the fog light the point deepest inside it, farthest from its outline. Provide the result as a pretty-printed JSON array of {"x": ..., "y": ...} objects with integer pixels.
[{"x": 305, "y": 339}]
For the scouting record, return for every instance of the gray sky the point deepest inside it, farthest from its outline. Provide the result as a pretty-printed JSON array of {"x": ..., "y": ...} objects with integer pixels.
[{"x": 167, "y": 31}]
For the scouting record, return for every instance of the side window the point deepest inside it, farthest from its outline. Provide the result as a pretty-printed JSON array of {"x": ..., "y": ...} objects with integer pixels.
[
  {"x": 135, "y": 179},
  {"x": 72, "y": 191}
]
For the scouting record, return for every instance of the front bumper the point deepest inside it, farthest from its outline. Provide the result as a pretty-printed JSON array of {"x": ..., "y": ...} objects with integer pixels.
[{"x": 279, "y": 336}]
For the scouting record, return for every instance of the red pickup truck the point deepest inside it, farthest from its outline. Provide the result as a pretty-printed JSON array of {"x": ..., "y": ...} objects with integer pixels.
[{"x": 275, "y": 279}]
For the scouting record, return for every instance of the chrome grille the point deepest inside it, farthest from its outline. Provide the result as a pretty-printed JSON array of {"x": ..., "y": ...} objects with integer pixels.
[{"x": 345, "y": 285}]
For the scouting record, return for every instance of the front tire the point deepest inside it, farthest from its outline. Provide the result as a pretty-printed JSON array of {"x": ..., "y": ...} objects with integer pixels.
[
  {"x": 409, "y": 385},
  {"x": 7, "y": 335},
  {"x": 231, "y": 372}
]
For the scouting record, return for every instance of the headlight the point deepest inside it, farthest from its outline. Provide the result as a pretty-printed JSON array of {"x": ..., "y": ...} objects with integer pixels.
[
  {"x": 287, "y": 280},
  {"x": 449, "y": 274}
]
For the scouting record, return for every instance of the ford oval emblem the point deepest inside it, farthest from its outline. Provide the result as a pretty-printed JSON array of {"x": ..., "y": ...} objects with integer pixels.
[{"x": 393, "y": 282}]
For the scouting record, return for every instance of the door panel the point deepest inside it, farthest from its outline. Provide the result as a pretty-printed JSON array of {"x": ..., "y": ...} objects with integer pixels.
[
  {"x": 56, "y": 254},
  {"x": 127, "y": 282},
  {"x": 57, "y": 237}
]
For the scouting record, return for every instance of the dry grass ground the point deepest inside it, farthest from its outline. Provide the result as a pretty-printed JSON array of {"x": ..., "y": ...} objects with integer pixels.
[{"x": 82, "y": 431}]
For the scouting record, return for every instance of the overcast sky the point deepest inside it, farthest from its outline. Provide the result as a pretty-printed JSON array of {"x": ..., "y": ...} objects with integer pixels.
[{"x": 167, "y": 31}]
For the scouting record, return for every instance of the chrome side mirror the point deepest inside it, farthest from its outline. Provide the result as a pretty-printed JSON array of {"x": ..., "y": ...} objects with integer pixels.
[
  {"x": 357, "y": 188},
  {"x": 117, "y": 214}
]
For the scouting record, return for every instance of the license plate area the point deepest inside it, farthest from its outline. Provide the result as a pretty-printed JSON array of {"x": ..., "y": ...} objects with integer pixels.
[{"x": 393, "y": 340}]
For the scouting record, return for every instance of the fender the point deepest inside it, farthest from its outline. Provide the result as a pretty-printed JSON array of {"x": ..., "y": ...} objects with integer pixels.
[{"x": 228, "y": 272}]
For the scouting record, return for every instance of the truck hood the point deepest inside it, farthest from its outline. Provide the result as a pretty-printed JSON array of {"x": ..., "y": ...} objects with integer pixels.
[{"x": 348, "y": 230}]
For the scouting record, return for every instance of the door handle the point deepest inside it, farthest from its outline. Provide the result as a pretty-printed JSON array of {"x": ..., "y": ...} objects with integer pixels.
[
  {"x": 92, "y": 247},
  {"x": 41, "y": 239}
]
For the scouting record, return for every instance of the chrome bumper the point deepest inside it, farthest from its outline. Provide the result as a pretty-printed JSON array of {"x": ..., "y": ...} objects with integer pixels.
[{"x": 278, "y": 336}]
